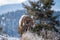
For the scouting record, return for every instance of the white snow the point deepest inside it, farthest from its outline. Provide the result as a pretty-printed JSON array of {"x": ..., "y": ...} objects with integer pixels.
[
  {"x": 8, "y": 38},
  {"x": 12, "y": 38},
  {"x": 3, "y": 18}
]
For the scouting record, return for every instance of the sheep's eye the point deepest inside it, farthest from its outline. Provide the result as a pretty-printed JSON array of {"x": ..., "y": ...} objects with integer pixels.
[{"x": 28, "y": 21}]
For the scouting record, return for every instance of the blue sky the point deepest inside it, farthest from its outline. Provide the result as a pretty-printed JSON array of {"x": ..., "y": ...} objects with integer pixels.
[
  {"x": 57, "y": 5},
  {"x": 4, "y": 2}
]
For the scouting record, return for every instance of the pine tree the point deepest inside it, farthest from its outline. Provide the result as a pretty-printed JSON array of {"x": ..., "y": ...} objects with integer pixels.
[
  {"x": 0, "y": 30},
  {"x": 41, "y": 10}
]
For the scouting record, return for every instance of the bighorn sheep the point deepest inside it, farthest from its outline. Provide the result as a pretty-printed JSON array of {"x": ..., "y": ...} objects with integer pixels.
[{"x": 25, "y": 22}]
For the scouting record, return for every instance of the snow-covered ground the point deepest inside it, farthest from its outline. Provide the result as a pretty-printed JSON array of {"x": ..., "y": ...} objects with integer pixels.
[
  {"x": 12, "y": 38},
  {"x": 8, "y": 38}
]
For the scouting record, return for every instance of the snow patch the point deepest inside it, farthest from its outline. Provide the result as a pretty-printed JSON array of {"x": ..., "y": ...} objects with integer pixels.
[{"x": 8, "y": 38}]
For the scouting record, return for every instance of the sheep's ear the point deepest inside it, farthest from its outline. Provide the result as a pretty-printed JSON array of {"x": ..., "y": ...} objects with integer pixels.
[
  {"x": 33, "y": 26},
  {"x": 31, "y": 16}
]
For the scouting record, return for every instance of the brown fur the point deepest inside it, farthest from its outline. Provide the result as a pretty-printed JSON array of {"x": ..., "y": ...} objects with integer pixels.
[{"x": 26, "y": 20}]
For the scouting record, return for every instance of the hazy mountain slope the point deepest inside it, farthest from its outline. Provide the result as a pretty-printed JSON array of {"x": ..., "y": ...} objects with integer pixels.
[
  {"x": 9, "y": 22},
  {"x": 10, "y": 7}
]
